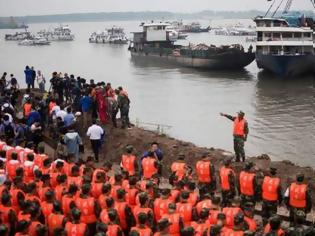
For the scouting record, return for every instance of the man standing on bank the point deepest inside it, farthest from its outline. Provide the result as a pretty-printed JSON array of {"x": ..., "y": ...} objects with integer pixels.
[
  {"x": 95, "y": 133},
  {"x": 240, "y": 133}
]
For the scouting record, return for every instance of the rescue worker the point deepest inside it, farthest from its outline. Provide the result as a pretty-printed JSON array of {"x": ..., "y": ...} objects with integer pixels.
[
  {"x": 132, "y": 191},
  {"x": 47, "y": 205},
  {"x": 186, "y": 209},
  {"x": 249, "y": 212},
  {"x": 201, "y": 226},
  {"x": 248, "y": 184},
  {"x": 239, "y": 225},
  {"x": 89, "y": 208},
  {"x": 142, "y": 227},
  {"x": 215, "y": 209},
  {"x": 193, "y": 195},
  {"x": 204, "y": 203},
  {"x": 298, "y": 197},
  {"x": 129, "y": 161},
  {"x": 106, "y": 193},
  {"x": 163, "y": 227},
  {"x": 12, "y": 165},
  {"x": 8, "y": 215},
  {"x": 76, "y": 227},
  {"x": 273, "y": 228},
  {"x": 56, "y": 219},
  {"x": 231, "y": 212},
  {"x": 240, "y": 133},
  {"x": 113, "y": 228},
  {"x": 271, "y": 194},
  {"x": 175, "y": 219},
  {"x": 124, "y": 211},
  {"x": 150, "y": 165},
  {"x": 61, "y": 188},
  {"x": 179, "y": 167},
  {"x": 75, "y": 177},
  {"x": 188, "y": 231},
  {"x": 143, "y": 207},
  {"x": 160, "y": 205},
  {"x": 110, "y": 204},
  {"x": 205, "y": 174},
  {"x": 22, "y": 227},
  {"x": 35, "y": 223},
  {"x": 97, "y": 185},
  {"x": 67, "y": 200},
  {"x": 227, "y": 183}
]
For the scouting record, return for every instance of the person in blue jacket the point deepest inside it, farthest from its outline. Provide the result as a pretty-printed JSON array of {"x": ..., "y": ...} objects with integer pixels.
[{"x": 28, "y": 76}]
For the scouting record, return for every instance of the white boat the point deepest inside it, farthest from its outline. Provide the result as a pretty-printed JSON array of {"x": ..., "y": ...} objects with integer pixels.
[
  {"x": 36, "y": 41},
  {"x": 114, "y": 35},
  {"x": 18, "y": 36},
  {"x": 61, "y": 33},
  {"x": 236, "y": 30}
]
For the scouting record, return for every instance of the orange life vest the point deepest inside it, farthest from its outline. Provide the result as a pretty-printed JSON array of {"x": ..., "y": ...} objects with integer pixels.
[
  {"x": 95, "y": 173},
  {"x": 131, "y": 196},
  {"x": 4, "y": 216},
  {"x": 102, "y": 201},
  {"x": 185, "y": 211},
  {"x": 193, "y": 198},
  {"x": 51, "y": 106},
  {"x": 298, "y": 195},
  {"x": 39, "y": 159},
  {"x": 247, "y": 183},
  {"x": 203, "y": 171},
  {"x": 11, "y": 167},
  {"x": 113, "y": 229},
  {"x": 33, "y": 227},
  {"x": 137, "y": 210},
  {"x": 270, "y": 188},
  {"x": 142, "y": 231},
  {"x": 75, "y": 229},
  {"x": 174, "y": 195},
  {"x": 224, "y": 178},
  {"x": 213, "y": 216},
  {"x": 32, "y": 198},
  {"x": 55, "y": 221},
  {"x": 128, "y": 164},
  {"x": 235, "y": 233},
  {"x": 59, "y": 190},
  {"x": 29, "y": 173},
  {"x": 148, "y": 167},
  {"x": 77, "y": 180},
  {"x": 22, "y": 216},
  {"x": 120, "y": 208},
  {"x": 200, "y": 228},
  {"x": 104, "y": 216},
  {"x": 14, "y": 192},
  {"x": 174, "y": 219},
  {"x": 230, "y": 213},
  {"x": 207, "y": 203},
  {"x": 47, "y": 209},
  {"x": 27, "y": 109},
  {"x": 65, "y": 204},
  {"x": 239, "y": 127},
  {"x": 42, "y": 191},
  {"x": 267, "y": 229},
  {"x": 251, "y": 223},
  {"x": 160, "y": 207},
  {"x": 96, "y": 189},
  {"x": 179, "y": 168},
  {"x": 86, "y": 206},
  {"x": 113, "y": 191}
]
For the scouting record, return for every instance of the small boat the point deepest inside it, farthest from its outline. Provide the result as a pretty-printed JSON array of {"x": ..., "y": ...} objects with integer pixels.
[
  {"x": 61, "y": 33},
  {"x": 194, "y": 27},
  {"x": 18, "y": 36},
  {"x": 114, "y": 35},
  {"x": 36, "y": 41}
]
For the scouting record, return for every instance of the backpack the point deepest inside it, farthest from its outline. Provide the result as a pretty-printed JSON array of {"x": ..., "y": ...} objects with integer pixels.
[{"x": 9, "y": 131}]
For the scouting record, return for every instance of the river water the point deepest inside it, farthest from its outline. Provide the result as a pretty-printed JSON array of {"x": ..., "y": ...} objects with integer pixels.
[{"x": 280, "y": 112}]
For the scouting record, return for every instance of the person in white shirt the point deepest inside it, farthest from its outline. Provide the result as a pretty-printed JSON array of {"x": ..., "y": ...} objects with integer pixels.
[
  {"x": 95, "y": 133},
  {"x": 41, "y": 81}
]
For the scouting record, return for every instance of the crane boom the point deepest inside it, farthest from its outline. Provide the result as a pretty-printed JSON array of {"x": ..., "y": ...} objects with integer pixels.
[{"x": 287, "y": 6}]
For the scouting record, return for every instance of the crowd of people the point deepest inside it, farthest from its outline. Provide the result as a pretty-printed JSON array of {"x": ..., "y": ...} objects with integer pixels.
[{"x": 64, "y": 194}]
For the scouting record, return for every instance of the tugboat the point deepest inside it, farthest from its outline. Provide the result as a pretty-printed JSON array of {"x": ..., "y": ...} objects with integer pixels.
[
  {"x": 114, "y": 35},
  {"x": 61, "y": 33},
  {"x": 285, "y": 44},
  {"x": 154, "y": 42}
]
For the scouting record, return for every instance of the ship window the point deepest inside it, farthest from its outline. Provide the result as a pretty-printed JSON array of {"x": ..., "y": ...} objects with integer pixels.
[
  {"x": 287, "y": 35},
  {"x": 277, "y": 24},
  {"x": 268, "y": 35},
  {"x": 297, "y": 35},
  {"x": 307, "y": 35},
  {"x": 276, "y": 35}
]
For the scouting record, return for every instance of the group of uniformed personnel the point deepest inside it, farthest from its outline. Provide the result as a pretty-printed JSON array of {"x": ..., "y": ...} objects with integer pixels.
[{"x": 42, "y": 196}]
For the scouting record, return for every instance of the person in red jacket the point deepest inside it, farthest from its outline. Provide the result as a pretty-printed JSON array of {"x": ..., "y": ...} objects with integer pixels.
[
  {"x": 186, "y": 209},
  {"x": 143, "y": 207},
  {"x": 201, "y": 226},
  {"x": 129, "y": 161},
  {"x": 142, "y": 227},
  {"x": 175, "y": 219},
  {"x": 163, "y": 226},
  {"x": 56, "y": 219},
  {"x": 76, "y": 227},
  {"x": 7, "y": 213},
  {"x": 179, "y": 168},
  {"x": 150, "y": 165},
  {"x": 113, "y": 227}
]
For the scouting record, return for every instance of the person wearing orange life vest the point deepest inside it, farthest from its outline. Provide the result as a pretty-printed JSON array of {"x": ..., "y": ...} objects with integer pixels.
[
  {"x": 239, "y": 227},
  {"x": 89, "y": 208},
  {"x": 22, "y": 228},
  {"x": 175, "y": 219},
  {"x": 160, "y": 204},
  {"x": 54, "y": 173},
  {"x": 40, "y": 157},
  {"x": 45, "y": 187},
  {"x": 56, "y": 219},
  {"x": 106, "y": 193},
  {"x": 179, "y": 168},
  {"x": 204, "y": 202},
  {"x": 273, "y": 228},
  {"x": 206, "y": 174},
  {"x": 12, "y": 165},
  {"x": 110, "y": 206},
  {"x": 298, "y": 197},
  {"x": 113, "y": 227},
  {"x": 143, "y": 207},
  {"x": 132, "y": 192},
  {"x": 202, "y": 225},
  {"x": 35, "y": 221},
  {"x": 76, "y": 227},
  {"x": 240, "y": 133},
  {"x": 75, "y": 177},
  {"x": 231, "y": 212},
  {"x": 17, "y": 195},
  {"x": 118, "y": 178},
  {"x": 163, "y": 227},
  {"x": 96, "y": 189},
  {"x": 248, "y": 187},
  {"x": 27, "y": 107},
  {"x": 124, "y": 211},
  {"x": 8, "y": 215},
  {"x": 129, "y": 161},
  {"x": 68, "y": 200},
  {"x": 227, "y": 183},
  {"x": 186, "y": 209},
  {"x": 29, "y": 167},
  {"x": 249, "y": 212},
  {"x": 193, "y": 194},
  {"x": 271, "y": 194},
  {"x": 150, "y": 165},
  {"x": 142, "y": 227},
  {"x": 47, "y": 205}
]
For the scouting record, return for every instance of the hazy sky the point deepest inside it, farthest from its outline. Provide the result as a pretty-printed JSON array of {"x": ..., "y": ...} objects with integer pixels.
[{"x": 41, "y": 7}]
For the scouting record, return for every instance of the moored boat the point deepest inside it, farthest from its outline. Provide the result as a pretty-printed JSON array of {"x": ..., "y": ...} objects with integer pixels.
[
  {"x": 114, "y": 35},
  {"x": 154, "y": 42},
  {"x": 61, "y": 33}
]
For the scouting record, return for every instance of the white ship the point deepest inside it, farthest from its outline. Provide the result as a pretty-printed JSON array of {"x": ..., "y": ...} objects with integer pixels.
[
  {"x": 114, "y": 35},
  {"x": 35, "y": 41},
  {"x": 61, "y": 33}
]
